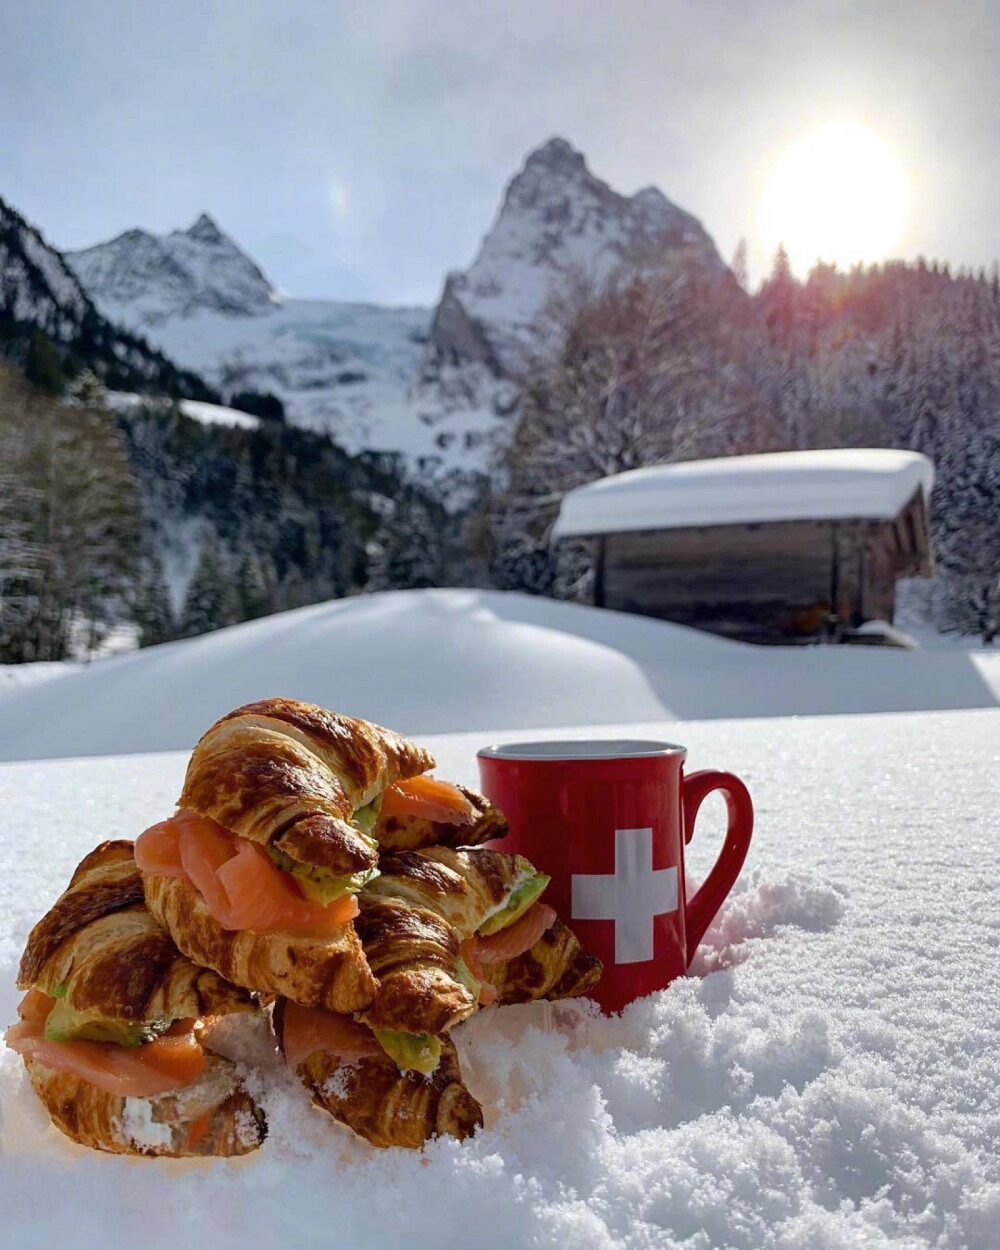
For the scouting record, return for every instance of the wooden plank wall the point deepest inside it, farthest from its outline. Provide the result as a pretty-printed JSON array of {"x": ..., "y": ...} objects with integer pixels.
[{"x": 768, "y": 583}]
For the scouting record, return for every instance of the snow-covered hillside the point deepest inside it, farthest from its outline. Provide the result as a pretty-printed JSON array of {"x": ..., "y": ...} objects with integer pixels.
[
  {"x": 431, "y": 661},
  {"x": 827, "y": 1078},
  {"x": 556, "y": 216},
  {"x": 350, "y": 369}
]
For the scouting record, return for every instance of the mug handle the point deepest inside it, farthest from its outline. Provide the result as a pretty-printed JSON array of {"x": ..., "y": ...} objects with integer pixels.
[{"x": 702, "y": 908}]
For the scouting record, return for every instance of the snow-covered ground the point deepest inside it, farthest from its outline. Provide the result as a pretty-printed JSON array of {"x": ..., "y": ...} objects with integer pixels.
[
  {"x": 435, "y": 660},
  {"x": 829, "y": 1076}
]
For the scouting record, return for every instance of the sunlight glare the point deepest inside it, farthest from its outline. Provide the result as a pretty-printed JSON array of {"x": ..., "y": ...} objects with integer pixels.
[{"x": 839, "y": 195}]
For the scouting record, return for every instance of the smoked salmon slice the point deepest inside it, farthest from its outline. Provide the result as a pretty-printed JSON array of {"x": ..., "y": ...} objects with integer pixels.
[
  {"x": 308, "y": 1029},
  {"x": 169, "y": 1063},
  {"x": 430, "y": 799},
  {"x": 240, "y": 884},
  {"x": 487, "y": 992},
  {"x": 157, "y": 851},
  {"x": 516, "y": 938}
]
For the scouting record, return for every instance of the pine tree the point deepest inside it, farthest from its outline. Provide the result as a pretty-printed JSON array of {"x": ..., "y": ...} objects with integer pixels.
[
  {"x": 210, "y": 602},
  {"x": 152, "y": 611},
  {"x": 42, "y": 366},
  {"x": 255, "y": 586},
  {"x": 407, "y": 551},
  {"x": 79, "y": 511},
  {"x": 739, "y": 266}
]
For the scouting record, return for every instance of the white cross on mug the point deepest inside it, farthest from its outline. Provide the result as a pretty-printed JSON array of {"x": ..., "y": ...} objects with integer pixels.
[{"x": 631, "y": 897}]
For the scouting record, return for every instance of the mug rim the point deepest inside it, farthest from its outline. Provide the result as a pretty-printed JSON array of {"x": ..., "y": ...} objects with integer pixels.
[{"x": 567, "y": 750}]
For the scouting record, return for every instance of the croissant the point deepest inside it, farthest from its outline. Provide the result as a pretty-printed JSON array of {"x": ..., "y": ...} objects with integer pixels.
[
  {"x": 413, "y": 918},
  {"x": 556, "y": 966},
  {"x": 215, "y": 1117},
  {"x": 100, "y": 957},
  {"x": 384, "y": 1105},
  {"x": 405, "y": 832},
  {"x": 329, "y": 972},
  {"x": 290, "y": 777}
]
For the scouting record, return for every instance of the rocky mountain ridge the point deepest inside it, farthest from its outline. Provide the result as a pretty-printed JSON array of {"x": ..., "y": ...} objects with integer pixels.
[{"x": 39, "y": 291}]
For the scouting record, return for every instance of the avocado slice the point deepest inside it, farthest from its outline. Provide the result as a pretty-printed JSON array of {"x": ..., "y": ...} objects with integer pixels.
[
  {"x": 318, "y": 884},
  {"x": 518, "y": 901},
  {"x": 365, "y": 818},
  {"x": 64, "y": 1024},
  {"x": 463, "y": 975},
  {"x": 417, "y": 1052}
]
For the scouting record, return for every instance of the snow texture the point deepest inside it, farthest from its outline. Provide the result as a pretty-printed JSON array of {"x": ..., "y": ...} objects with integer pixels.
[
  {"x": 428, "y": 660},
  {"x": 829, "y": 1076},
  {"x": 840, "y": 484}
]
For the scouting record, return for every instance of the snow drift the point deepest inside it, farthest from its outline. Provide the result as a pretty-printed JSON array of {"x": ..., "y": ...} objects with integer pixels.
[{"x": 443, "y": 660}]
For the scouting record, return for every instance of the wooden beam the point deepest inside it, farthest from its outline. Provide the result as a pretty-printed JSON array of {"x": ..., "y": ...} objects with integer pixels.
[{"x": 599, "y": 571}]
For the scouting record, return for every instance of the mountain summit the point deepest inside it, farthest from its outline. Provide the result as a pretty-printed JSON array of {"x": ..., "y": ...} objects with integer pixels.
[
  {"x": 143, "y": 279},
  {"x": 556, "y": 216}
]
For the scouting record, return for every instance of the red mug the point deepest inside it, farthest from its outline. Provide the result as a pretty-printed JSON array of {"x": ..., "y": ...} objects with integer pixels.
[{"x": 609, "y": 821}]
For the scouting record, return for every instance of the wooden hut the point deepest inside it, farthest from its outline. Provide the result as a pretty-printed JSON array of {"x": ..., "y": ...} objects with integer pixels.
[{"x": 794, "y": 546}]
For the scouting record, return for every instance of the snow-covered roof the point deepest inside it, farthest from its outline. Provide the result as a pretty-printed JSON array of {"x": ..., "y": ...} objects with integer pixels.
[{"x": 845, "y": 483}]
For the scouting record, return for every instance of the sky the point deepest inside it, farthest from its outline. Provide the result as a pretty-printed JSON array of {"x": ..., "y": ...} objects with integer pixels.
[{"x": 360, "y": 150}]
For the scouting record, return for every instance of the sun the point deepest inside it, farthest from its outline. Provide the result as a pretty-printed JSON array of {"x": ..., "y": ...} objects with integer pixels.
[{"x": 838, "y": 195}]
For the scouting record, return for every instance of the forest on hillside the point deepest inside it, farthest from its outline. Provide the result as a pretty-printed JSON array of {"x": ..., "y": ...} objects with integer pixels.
[{"x": 149, "y": 519}]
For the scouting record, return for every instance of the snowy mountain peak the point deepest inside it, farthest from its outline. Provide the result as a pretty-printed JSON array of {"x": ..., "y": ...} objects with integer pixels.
[
  {"x": 555, "y": 154},
  {"x": 143, "y": 279},
  {"x": 556, "y": 216},
  {"x": 206, "y": 229}
]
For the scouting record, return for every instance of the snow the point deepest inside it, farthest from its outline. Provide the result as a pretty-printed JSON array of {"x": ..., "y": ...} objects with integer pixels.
[
  {"x": 218, "y": 414},
  {"x": 159, "y": 276},
  {"x": 14, "y": 676},
  {"x": 839, "y": 484},
  {"x": 829, "y": 1076},
  {"x": 196, "y": 409},
  {"x": 428, "y": 660}
]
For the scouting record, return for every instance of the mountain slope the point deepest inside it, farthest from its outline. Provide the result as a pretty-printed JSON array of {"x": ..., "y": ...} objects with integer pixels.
[
  {"x": 39, "y": 291},
  {"x": 143, "y": 279},
  {"x": 556, "y": 216}
]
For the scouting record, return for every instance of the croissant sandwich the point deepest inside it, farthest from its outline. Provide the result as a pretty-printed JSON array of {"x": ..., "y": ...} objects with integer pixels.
[
  {"x": 113, "y": 1030},
  {"x": 444, "y": 931},
  {"x": 278, "y": 830},
  {"x": 352, "y": 1075}
]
